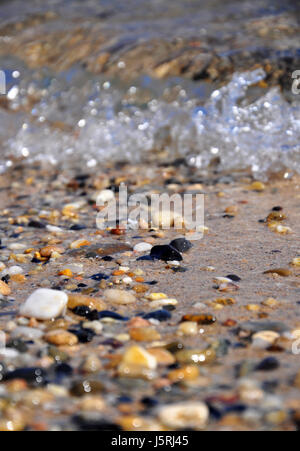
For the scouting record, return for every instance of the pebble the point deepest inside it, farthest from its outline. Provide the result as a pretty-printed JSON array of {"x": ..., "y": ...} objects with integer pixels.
[
  {"x": 184, "y": 416},
  {"x": 188, "y": 328},
  {"x": 258, "y": 186},
  {"x": 268, "y": 364},
  {"x": 136, "y": 355},
  {"x": 95, "y": 326},
  {"x": 27, "y": 332},
  {"x": 160, "y": 315},
  {"x": 119, "y": 297},
  {"x": 142, "y": 247},
  {"x": 105, "y": 195},
  {"x": 163, "y": 303},
  {"x": 203, "y": 319},
  {"x": 296, "y": 261},
  {"x": 83, "y": 335},
  {"x": 79, "y": 243},
  {"x": 165, "y": 253},
  {"x": 270, "y": 302},
  {"x": 162, "y": 356},
  {"x": 186, "y": 373},
  {"x": 12, "y": 271},
  {"x": 54, "y": 229},
  {"x": 33, "y": 376},
  {"x": 47, "y": 251},
  {"x": 92, "y": 403},
  {"x": 156, "y": 296},
  {"x": 181, "y": 245},
  {"x": 283, "y": 272},
  {"x": 45, "y": 304},
  {"x": 113, "y": 315},
  {"x": 144, "y": 334},
  {"x": 4, "y": 288},
  {"x": 60, "y": 337},
  {"x": 86, "y": 387},
  {"x": 91, "y": 364},
  {"x": 76, "y": 300},
  {"x": 264, "y": 339},
  {"x": 196, "y": 356}
]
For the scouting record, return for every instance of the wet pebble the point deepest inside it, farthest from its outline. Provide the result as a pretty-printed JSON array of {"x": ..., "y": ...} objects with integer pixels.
[
  {"x": 33, "y": 376},
  {"x": 184, "y": 416},
  {"x": 45, "y": 304},
  {"x": 119, "y": 297},
  {"x": 268, "y": 364},
  {"x": 181, "y": 245},
  {"x": 160, "y": 315},
  {"x": 165, "y": 253}
]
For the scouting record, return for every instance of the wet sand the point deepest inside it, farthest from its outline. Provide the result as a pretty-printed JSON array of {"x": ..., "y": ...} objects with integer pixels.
[{"x": 239, "y": 245}]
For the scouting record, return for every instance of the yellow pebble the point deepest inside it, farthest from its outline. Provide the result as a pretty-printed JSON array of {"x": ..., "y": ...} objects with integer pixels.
[
  {"x": 258, "y": 186},
  {"x": 296, "y": 261},
  {"x": 156, "y": 296}
]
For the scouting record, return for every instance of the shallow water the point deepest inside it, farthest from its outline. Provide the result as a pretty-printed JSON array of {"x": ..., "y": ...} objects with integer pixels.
[
  {"x": 73, "y": 121},
  {"x": 78, "y": 119}
]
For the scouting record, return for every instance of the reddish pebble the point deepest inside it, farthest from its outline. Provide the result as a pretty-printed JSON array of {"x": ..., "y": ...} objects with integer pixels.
[{"x": 230, "y": 323}]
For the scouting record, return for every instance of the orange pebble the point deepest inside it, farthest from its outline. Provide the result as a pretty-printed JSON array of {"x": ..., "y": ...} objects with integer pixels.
[{"x": 65, "y": 272}]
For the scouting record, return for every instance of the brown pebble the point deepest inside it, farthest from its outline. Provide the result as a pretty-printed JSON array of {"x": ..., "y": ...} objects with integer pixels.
[
  {"x": 47, "y": 251},
  {"x": 144, "y": 334},
  {"x": 60, "y": 337},
  {"x": 76, "y": 300},
  {"x": 4, "y": 288},
  {"x": 283, "y": 272},
  {"x": 205, "y": 319}
]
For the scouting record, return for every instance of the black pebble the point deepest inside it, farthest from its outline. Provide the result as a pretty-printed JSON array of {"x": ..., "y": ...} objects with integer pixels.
[
  {"x": 100, "y": 276},
  {"x": 86, "y": 312},
  {"x": 165, "y": 253},
  {"x": 234, "y": 278},
  {"x": 77, "y": 227},
  {"x": 63, "y": 370},
  {"x": 181, "y": 245},
  {"x": 149, "y": 402},
  {"x": 93, "y": 424},
  {"x": 109, "y": 314},
  {"x": 82, "y": 310},
  {"x": 83, "y": 335},
  {"x": 107, "y": 258},
  {"x": 33, "y": 376},
  {"x": 18, "y": 344},
  {"x": 268, "y": 364},
  {"x": 160, "y": 315},
  {"x": 36, "y": 224}
]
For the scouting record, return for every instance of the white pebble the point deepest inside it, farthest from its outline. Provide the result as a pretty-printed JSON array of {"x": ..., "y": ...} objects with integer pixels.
[
  {"x": 185, "y": 415},
  {"x": 105, "y": 195},
  {"x": 12, "y": 271},
  {"x": 53, "y": 229},
  {"x": 16, "y": 246},
  {"x": 96, "y": 326},
  {"x": 45, "y": 304},
  {"x": 264, "y": 339},
  {"x": 163, "y": 303},
  {"x": 142, "y": 247},
  {"x": 27, "y": 332},
  {"x": 119, "y": 296}
]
